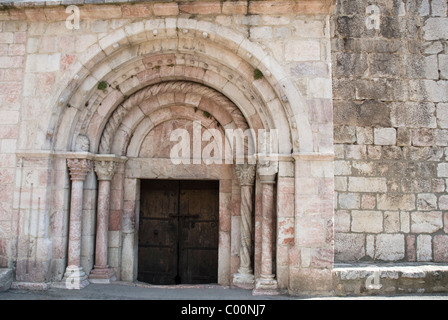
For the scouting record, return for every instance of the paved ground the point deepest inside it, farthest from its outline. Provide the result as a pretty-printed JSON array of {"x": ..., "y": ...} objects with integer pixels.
[{"x": 135, "y": 292}]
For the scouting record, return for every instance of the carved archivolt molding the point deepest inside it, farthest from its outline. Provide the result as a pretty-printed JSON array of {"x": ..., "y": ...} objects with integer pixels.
[{"x": 161, "y": 88}]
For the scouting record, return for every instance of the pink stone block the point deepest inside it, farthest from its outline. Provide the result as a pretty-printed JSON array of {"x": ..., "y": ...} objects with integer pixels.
[
  {"x": 67, "y": 60},
  {"x": 285, "y": 185},
  {"x": 147, "y": 76},
  {"x": 150, "y": 105},
  {"x": 294, "y": 256},
  {"x": 165, "y": 9},
  {"x": 136, "y": 10},
  {"x": 225, "y": 185},
  {"x": 303, "y": 169},
  {"x": 311, "y": 232},
  {"x": 160, "y": 116},
  {"x": 445, "y": 222},
  {"x": 282, "y": 255},
  {"x": 285, "y": 205},
  {"x": 368, "y": 201},
  {"x": 200, "y": 7},
  {"x": 20, "y": 37},
  {"x": 411, "y": 248},
  {"x": 225, "y": 211},
  {"x": 285, "y": 231},
  {"x": 322, "y": 258},
  {"x": 440, "y": 243},
  {"x": 115, "y": 220}
]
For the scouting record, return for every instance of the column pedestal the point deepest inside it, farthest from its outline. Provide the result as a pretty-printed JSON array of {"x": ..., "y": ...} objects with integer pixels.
[
  {"x": 75, "y": 278},
  {"x": 102, "y": 274}
]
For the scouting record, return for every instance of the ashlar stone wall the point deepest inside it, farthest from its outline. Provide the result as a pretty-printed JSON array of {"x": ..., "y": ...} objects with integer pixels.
[{"x": 390, "y": 94}]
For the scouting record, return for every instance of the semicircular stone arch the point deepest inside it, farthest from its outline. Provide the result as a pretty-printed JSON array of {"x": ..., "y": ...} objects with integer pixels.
[
  {"x": 270, "y": 95},
  {"x": 163, "y": 102}
]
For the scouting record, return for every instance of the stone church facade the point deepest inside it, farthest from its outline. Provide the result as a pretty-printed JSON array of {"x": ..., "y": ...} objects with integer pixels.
[{"x": 352, "y": 201}]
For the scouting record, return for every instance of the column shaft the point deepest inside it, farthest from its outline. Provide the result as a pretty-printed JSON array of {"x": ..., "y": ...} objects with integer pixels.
[
  {"x": 266, "y": 229},
  {"x": 245, "y": 277},
  {"x": 102, "y": 222},
  {"x": 75, "y": 225},
  {"x": 101, "y": 272},
  {"x": 75, "y": 277}
]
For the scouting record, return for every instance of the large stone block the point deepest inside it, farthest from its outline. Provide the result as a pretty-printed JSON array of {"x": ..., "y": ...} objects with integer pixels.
[
  {"x": 428, "y": 90},
  {"x": 413, "y": 115},
  {"x": 424, "y": 247},
  {"x": 361, "y": 184},
  {"x": 436, "y": 29},
  {"x": 350, "y": 64},
  {"x": 426, "y": 222},
  {"x": 344, "y": 134},
  {"x": 440, "y": 243},
  {"x": 385, "y": 136},
  {"x": 386, "y": 65},
  {"x": 389, "y": 247},
  {"x": 382, "y": 89},
  {"x": 6, "y": 278},
  {"x": 421, "y": 67},
  {"x": 439, "y": 8},
  {"x": 443, "y": 66},
  {"x": 367, "y": 221},
  {"x": 349, "y": 246},
  {"x": 394, "y": 202},
  {"x": 370, "y": 113}
]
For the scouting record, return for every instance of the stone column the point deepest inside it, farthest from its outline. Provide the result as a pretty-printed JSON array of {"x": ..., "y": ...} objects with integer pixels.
[
  {"x": 246, "y": 176},
  {"x": 267, "y": 284},
  {"x": 75, "y": 277},
  {"x": 101, "y": 272}
]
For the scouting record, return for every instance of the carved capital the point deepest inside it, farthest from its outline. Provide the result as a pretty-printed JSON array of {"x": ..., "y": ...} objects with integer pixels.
[
  {"x": 105, "y": 170},
  {"x": 79, "y": 168},
  {"x": 267, "y": 171},
  {"x": 246, "y": 174}
]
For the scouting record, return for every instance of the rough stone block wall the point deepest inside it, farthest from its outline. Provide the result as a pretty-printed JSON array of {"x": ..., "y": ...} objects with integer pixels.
[{"x": 390, "y": 94}]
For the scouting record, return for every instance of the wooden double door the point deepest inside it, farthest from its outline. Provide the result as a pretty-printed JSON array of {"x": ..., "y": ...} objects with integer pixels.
[{"x": 178, "y": 232}]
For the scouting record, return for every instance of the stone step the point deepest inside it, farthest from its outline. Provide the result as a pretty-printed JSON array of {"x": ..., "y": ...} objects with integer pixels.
[
  {"x": 5, "y": 279},
  {"x": 383, "y": 279}
]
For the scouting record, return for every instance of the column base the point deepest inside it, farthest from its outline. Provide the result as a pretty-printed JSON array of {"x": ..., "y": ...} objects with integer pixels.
[
  {"x": 266, "y": 285},
  {"x": 243, "y": 280},
  {"x": 101, "y": 274},
  {"x": 74, "y": 278}
]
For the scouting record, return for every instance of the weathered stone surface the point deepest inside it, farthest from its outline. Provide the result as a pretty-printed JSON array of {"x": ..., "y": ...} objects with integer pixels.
[
  {"x": 367, "y": 221},
  {"x": 349, "y": 246},
  {"x": 413, "y": 115},
  {"x": 360, "y": 184},
  {"x": 385, "y": 136},
  {"x": 396, "y": 202},
  {"x": 426, "y": 222},
  {"x": 369, "y": 113},
  {"x": 389, "y": 247},
  {"x": 6, "y": 278},
  {"x": 367, "y": 279},
  {"x": 443, "y": 66},
  {"x": 436, "y": 29}
]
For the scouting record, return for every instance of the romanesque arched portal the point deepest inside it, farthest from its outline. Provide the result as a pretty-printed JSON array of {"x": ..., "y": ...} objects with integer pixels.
[{"x": 110, "y": 125}]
